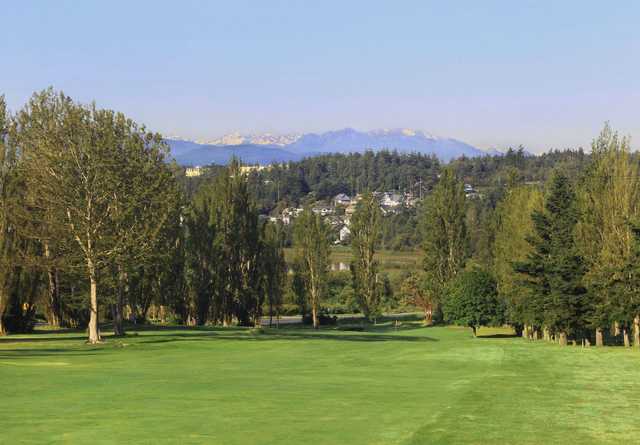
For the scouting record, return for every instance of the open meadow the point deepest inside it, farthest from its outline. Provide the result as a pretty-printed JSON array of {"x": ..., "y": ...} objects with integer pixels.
[{"x": 380, "y": 385}]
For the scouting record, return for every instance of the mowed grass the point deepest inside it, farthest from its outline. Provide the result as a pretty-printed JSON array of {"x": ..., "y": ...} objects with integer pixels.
[
  {"x": 293, "y": 386},
  {"x": 389, "y": 259}
]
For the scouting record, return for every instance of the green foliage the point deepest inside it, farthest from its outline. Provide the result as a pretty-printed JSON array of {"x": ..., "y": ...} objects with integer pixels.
[
  {"x": 608, "y": 201},
  {"x": 444, "y": 229},
  {"x": 365, "y": 237},
  {"x": 472, "y": 300},
  {"x": 554, "y": 267},
  {"x": 312, "y": 238},
  {"x": 513, "y": 227}
]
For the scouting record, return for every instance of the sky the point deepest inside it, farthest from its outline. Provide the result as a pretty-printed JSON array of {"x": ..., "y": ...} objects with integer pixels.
[{"x": 545, "y": 74}]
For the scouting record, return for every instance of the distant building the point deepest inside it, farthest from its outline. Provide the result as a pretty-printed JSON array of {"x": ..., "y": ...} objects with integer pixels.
[
  {"x": 341, "y": 199},
  {"x": 192, "y": 172},
  {"x": 391, "y": 199},
  {"x": 246, "y": 169},
  {"x": 470, "y": 192},
  {"x": 289, "y": 214},
  {"x": 344, "y": 234},
  {"x": 322, "y": 211}
]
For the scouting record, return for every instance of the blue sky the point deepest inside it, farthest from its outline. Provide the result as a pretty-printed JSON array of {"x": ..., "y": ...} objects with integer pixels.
[{"x": 492, "y": 73}]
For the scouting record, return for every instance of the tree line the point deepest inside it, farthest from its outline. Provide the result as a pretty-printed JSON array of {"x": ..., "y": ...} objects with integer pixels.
[
  {"x": 559, "y": 258},
  {"x": 94, "y": 226},
  {"x": 97, "y": 225}
]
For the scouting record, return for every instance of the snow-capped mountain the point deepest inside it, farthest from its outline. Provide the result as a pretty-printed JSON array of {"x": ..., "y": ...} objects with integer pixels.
[
  {"x": 254, "y": 139},
  {"x": 267, "y": 148},
  {"x": 404, "y": 140}
]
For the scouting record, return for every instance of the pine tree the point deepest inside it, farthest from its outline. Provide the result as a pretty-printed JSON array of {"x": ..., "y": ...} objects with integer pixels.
[{"x": 554, "y": 268}]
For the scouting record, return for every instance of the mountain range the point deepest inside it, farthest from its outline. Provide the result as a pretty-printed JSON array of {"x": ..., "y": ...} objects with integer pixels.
[{"x": 268, "y": 148}]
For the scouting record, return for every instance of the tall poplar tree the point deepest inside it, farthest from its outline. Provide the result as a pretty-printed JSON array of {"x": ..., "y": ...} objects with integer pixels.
[
  {"x": 365, "y": 237},
  {"x": 444, "y": 230},
  {"x": 513, "y": 227},
  {"x": 311, "y": 237},
  {"x": 608, "y": 201},
  {"x": 7, "y": 194}
]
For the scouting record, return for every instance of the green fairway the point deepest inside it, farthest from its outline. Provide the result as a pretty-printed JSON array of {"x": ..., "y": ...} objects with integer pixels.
[{"x": 292, "y": 386}]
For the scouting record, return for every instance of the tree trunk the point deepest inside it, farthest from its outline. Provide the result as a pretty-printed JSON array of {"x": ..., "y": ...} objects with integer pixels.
[
  {"x": 314, "y": 313},
  {"x": 118, "y": 326},
  {"x": 270, "y": 315},
  {"x": 562, "y": 339},
  {"x": 625, "y": 336},
  {"x": 3, "y": 308},
  {"x": 94, "y": 330},
  {"x": 616, "y": 329},
  {"x": 53, "y": 292},
  {"x": 535, "y": 334},
  {"x": 636, "y": 331},
  {"x": 525, "y": 331},
  {"x": 599, "y": 339},
  {"x": 427, "y": 317},
  {"x": 545, "y": 334}
]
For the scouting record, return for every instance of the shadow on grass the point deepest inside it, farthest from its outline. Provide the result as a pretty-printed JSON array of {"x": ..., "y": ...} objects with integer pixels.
[
  {"x": 9, "y": 354},
  {"x": 246, "y": 336},
  {"x": 153, "y": 334},
  {"x": 497, "y": 336},
  {"x": 37, "y": 339}
]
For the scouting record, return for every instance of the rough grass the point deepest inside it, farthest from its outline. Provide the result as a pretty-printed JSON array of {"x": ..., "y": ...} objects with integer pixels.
[{"x": 291, "y": 386}]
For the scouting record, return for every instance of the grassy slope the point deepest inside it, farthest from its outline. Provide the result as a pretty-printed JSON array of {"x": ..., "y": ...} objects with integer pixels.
[{"x": 229, "y": 386}]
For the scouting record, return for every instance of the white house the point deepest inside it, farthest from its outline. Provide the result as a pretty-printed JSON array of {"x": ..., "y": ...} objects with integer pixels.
[
  {"x": 344, "y": 235},
  {"x": 192, "y": 172},
  {"x": 341, "y": 199},
  {"x": 391, "y": 199}
]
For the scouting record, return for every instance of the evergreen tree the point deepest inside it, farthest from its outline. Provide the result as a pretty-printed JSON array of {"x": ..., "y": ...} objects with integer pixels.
[{"x": 554, "y": 268}]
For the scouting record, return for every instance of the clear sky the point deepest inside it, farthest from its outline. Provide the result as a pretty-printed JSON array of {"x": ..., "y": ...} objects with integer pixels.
[{"x": 541, "y": 73}]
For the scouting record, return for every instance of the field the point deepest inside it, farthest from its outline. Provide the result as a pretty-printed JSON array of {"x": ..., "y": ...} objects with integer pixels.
[
  {"x": 391, "y": 262},
  {"x": 410, "y": 385}
]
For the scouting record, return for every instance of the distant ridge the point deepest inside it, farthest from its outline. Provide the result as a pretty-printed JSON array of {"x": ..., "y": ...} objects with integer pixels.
[{"x": 266, "y": 149}]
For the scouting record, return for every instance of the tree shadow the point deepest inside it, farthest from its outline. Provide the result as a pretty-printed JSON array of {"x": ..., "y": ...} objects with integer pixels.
[
  {"x": 9, "y": 354},
  {"x": 287, "y": 336},
  {"x": 154, "y": 334},
  {"x": 497, "y": 336},
  {"x": 36, "y": 339}
]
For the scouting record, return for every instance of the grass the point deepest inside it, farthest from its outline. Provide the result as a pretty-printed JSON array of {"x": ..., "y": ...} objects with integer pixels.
[
  {"x": 290, "y": 386},
  {"x": 389, "y": 259}
]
